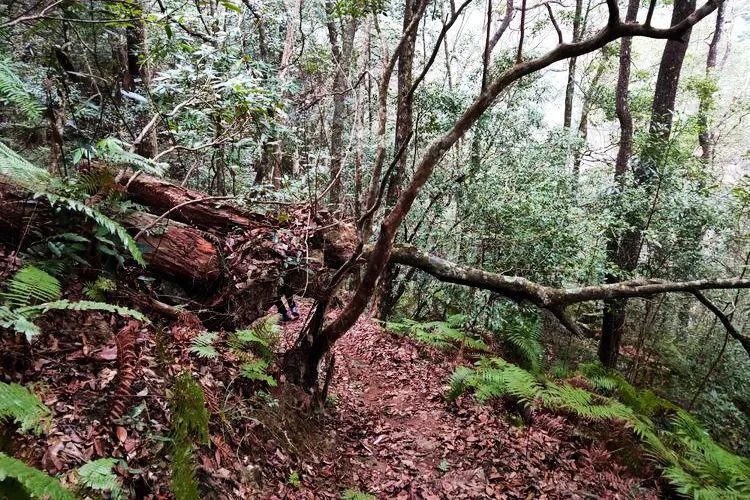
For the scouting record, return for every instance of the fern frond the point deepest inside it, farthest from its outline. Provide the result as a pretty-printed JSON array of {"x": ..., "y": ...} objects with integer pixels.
[
  {"x": 81, "y": 305},
  {"x": 256, "y": 370},
  {"x": 30, "y": 285},
  {"x": 110, "y": 226},
  {"x": 36, "y": 483},
  {"x": 494, "y": 377},
  {"x": 13, "y": 93},
  {"x": 98, "y": 475},
  {"x": 458, "y": 382},
  {"x": 112, "y": 150},
  {"x": 441, "y": 335},
  {"x": 522, "y": 333},
  {"x": 23, "y": 407},
  {"x": 18, "y": 322},
  {"x": 203, "y": 345},
  {"x": 21, "y": 172}
]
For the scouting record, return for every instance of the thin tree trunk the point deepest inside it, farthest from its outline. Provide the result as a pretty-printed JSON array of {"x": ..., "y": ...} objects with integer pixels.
[
  {"x": 341, "y": 38},
  {"x": 705, "y": 104},
  {"x": 404, "y": 128},
  {"x": 570, "y": 86}
]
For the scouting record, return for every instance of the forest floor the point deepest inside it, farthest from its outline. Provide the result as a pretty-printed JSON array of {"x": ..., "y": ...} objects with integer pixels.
[
  {"x": 393, "y": 435},
  {"x": 387, "y": 429}
]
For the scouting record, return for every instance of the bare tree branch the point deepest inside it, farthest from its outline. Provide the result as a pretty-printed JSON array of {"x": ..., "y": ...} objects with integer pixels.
[
  {"x": 733, "y": 332},
  {"x": 556, "y": 300},
  {"x": 554, "y": 23}
]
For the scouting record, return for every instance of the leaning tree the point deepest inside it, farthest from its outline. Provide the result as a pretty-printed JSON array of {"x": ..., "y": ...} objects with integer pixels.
[{"x": 302, "y": 362}]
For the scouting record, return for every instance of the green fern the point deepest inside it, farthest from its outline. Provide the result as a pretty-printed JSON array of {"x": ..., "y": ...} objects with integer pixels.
[
  {"x": 203, "y": 345},
  {"x": 30, "y": 285},
  {"x": 21, "y": 172},
  {"x": 81, "y": 305},
  {"x": 36, "y": 483},
  {"x": 98, "y": 475},
  {"x": 111, "y": 227},
  {"x": 522, "y": 332},
  {"x": 21, "y": 318},
  {"x": 112, "y": 150},
  {"x": 23, "y": 407},
  {"x": 443, "y": 335},
  {"x": 692, "y": 461},
  {"x": 253, "y": 347},
  {"x": 495, "y": 377},
  {"x": 13, "y": 93},
  {"x": 98, "y": 289},
  {"x": 39, "y": 181},
  {"x": 352, "y": 494},
  {"x": 256, "y": 370}
]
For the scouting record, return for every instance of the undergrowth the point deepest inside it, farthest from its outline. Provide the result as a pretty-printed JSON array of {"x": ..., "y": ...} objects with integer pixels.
[
  {"x": 443, "y": 335},
  {"x": 694, "y": 464}
]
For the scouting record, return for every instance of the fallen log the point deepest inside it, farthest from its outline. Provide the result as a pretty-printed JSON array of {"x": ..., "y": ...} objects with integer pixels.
[
  {"x": 172, "y": 249},
  {"x": 336, "y": 239},
  {"x": 232, "y": 263},
  {"x": 195, "y": 208}
]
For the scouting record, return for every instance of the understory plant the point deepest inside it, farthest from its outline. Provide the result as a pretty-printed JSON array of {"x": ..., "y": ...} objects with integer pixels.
[{"x": 694, "y": 464}]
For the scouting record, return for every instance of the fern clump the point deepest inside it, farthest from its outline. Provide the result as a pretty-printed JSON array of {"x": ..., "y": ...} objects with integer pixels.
[
  {"x": 701, "y": 468},
  {"x": 32, "y": 483},
  {"x": 522, "y": 331},
  {"x": 58, "y": 194},
  {"x": 99, "y": 475},
  {"x": 253, "y": 347},
  {"x": 24, "y": 408},
  {"x": 443, "y": 335},
  {"x": 98, "y": 289},
  {"x": 692, "y": 461},
  {"x": 495, "y": 377},
  {"x": 31, "y": 292},
  {"x": 13, "y": 93}
]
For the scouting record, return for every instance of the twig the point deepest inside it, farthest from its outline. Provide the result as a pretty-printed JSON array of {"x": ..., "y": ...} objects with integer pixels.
[{"x": 177, "y": 207}]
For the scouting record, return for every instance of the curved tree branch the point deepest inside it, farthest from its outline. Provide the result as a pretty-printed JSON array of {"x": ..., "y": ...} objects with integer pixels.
[{"x": 556, "y": 300}]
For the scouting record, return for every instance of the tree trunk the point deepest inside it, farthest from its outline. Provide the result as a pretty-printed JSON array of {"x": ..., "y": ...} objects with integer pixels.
[
  {"x": 706, "y": 96},
  {"x": 570, "y": 86},
  {"x": 626, "y": 252},
  {"x": 138, "y": 69},
  {"x": 341, "y": 51},
  {"x": 404, "y": 127}
]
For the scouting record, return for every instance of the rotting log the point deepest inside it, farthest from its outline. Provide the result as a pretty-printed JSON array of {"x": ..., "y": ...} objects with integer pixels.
[
  {"x": 177, "y": 250},
  {"x": 171, "y": 249},
  {"x": 161, "y": 195}
]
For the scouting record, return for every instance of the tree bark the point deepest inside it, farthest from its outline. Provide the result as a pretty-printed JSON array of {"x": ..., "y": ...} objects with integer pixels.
[
  {"x": 404, "y": 129},
  {"x": 613, "y": 315},
  {"x": 570, "y": 86},
  {"x": 706, "y": 97},
  {"x": 341, "y": 38}
]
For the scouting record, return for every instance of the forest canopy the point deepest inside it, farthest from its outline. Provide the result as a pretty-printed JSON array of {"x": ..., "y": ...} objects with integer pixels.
[{"x": 248, "y": 238}]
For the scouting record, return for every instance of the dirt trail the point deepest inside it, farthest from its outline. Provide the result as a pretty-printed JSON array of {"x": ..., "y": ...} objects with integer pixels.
[{"x": 395, "y": 436}]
